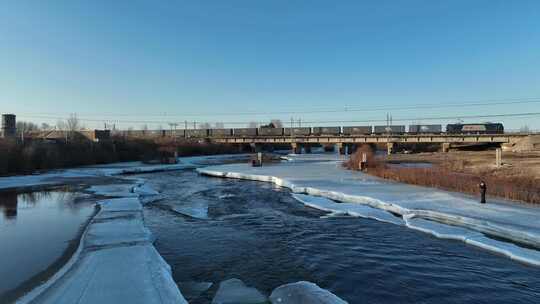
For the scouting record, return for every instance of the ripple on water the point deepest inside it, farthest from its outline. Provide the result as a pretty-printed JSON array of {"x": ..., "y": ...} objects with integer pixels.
[{"x": 266, "y": 238}]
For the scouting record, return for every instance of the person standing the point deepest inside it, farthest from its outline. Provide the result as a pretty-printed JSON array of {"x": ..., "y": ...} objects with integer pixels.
[{"x": 483, "y": 189}]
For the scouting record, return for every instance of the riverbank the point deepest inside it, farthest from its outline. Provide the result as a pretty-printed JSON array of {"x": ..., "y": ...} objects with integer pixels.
[
  {"x": 31, "y": 156},
  {"x": 501, "y": 226},
  {"x": 518, "y": 178}
]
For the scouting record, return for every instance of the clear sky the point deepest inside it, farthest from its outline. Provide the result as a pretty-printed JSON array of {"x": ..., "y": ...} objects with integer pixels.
[{"x": 138, "y": 61}]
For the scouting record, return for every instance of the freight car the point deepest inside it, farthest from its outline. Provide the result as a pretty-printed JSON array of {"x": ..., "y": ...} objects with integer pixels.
[
  {"x": 220, "y": 132},
  {"x": 425, "y": 129},
  {"x": 174, "y": 133},
  {"x": 270, "y": 131},
  {"x": 297, "y": 131},
  {"x": 357, "y": 130},
  {"x": 197, "y": 133},
  {"x": 326, "y": 131},
  {"x": 476, "y": 128},
  {"x": 245, "y": 132},
  {"x": 394, "y": 129}
]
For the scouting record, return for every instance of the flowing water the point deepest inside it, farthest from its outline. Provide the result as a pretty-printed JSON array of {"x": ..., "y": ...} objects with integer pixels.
[
  {"x": 211, "y": 229},
  {"x": 38, "y": 233}
]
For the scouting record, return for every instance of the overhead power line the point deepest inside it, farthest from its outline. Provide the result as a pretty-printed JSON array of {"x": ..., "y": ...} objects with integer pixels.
[
  {"x": 406, "y": 119},
  {"x": 341, "y": 109}
]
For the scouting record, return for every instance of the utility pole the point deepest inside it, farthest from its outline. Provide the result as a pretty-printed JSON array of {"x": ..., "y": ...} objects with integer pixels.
[{"x": 292, "y": 126}]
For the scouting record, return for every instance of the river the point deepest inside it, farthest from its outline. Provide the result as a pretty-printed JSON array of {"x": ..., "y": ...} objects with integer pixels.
[{"x": 211, "y": 229}]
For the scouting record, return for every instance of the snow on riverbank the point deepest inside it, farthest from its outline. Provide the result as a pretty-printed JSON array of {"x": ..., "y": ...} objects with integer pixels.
[{"x": 442, "y": 214}]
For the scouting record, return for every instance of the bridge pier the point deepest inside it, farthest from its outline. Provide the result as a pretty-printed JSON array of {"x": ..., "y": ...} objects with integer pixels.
[
  {"x": 389, "y": 148},
  {"x": 296, "y": 148},
  {"x": 445, "y": 147},
  {"x": 340, "y": 148},
  {"x": 256, "y": 148}
]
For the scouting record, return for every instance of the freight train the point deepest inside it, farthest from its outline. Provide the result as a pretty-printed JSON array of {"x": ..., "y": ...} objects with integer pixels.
[{"x": 475, "y": 128}]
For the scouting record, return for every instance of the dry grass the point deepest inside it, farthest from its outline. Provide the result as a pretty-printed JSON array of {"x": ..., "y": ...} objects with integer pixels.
[{"x": 447, "y": 176}]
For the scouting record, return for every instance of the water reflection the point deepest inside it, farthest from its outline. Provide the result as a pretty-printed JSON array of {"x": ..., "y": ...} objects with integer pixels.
[
  {"x": 9, "y": 201},
  {"x": 38, "y": 231},
  {"x": 8, "y": 204}
]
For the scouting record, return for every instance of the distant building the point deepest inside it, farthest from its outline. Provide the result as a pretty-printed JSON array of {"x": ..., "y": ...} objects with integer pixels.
[{"x": 9, "y": 126}]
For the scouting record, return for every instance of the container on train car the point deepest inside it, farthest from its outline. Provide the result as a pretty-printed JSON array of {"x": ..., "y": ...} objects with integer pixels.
[
  {"x": 394, "y": 129},
  {"x": 220, "y": 132},
  {"x": 245, "y": 132},
  {"x": 174, "y": 133},
  {"x": 326, "y": 130},
  {"x": 297, "y": 131},
  {"x": 419, "y": 129},
  {"x": 197, "y": 133},
  {"x": 475, "y": 128},
  {"x": 270, "y": 131},
  {"x": 357, "y": 130}
]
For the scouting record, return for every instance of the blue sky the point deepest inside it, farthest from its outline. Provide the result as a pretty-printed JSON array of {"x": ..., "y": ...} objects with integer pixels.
[{"x": 161, "y": 61}]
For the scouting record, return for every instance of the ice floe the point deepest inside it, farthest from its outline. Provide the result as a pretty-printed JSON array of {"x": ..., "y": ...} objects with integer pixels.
[
  {"x": 234, "y": 291},
  {"x": 192, "y": 290},
  {"x": 115, "y": 262},
  {"x": 114, "y": 190},
  {"x": 303, "y": 292},
  {"x": 443, "y": 214},
  {"x": 351, "y": 209}
]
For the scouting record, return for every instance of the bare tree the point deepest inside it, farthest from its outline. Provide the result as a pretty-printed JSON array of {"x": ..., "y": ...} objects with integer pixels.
[
  {"x": 24, "y": 127},
  {"x": 524, "y": 129},
  {"x": 73, "y": 123},
  {"x": 69, "y": 126},
  {"x": 45, "y": 126}
]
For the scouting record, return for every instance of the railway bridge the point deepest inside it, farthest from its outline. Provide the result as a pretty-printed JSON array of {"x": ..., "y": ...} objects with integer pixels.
[{"x": 344, "y": 141}]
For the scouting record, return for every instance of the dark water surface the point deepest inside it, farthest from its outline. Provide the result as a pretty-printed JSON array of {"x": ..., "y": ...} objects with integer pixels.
[
  {"x": 261, "y": 235},
  {"x": 38, "y": 233}
]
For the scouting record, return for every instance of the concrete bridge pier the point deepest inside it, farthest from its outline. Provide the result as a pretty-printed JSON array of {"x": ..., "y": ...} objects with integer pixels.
[
  {"x": 340, "y": 148},
  {"x": 256, "y": 148},
  {"x": 445, "y": 147},
  {"x": 296, "y": 148},
  {"x": 389, "y": 148}
]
